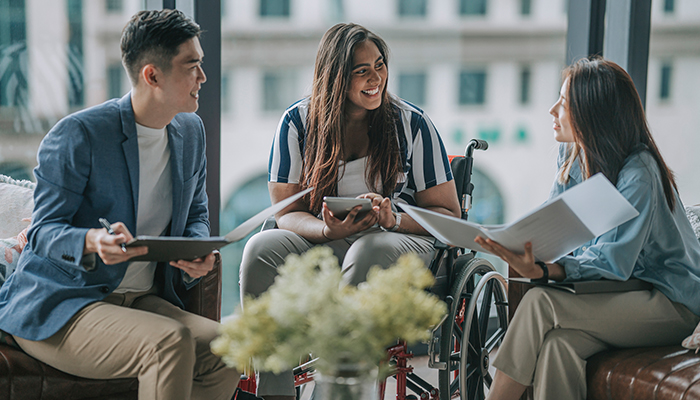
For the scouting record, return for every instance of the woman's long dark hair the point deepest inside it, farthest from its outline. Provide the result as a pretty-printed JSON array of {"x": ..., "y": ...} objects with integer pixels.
[
  {"x": 608, "y": 122},
  {"x": 324, "y": 148}
]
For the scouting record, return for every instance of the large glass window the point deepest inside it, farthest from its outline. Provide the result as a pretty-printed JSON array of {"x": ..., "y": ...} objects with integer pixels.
[
  {"x": 525, "y": 7},
  {"x": 486, "y": 75},
  {"x": 412, "y": 8},
  {"x": 114, "y": 6},
  {"x": 472, "y": 7},
  {"x": 13, "y": 54},
  {"x": 665, "y": 81},
  {"x": 45, "y": 61},
  {"x": 274, "y": 8},
  {"x": 669, "y": 6},
  {"x": 412, "y": 87},
  {"x": 472, "y": 87},
  {"x": 115, "y": 78},
  {"x": 525, "y": 77},
  {"x": 279, "y": 89}
]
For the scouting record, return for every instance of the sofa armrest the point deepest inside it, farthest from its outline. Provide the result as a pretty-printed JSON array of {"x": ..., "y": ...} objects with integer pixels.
[{"x": 205, "y": 297}]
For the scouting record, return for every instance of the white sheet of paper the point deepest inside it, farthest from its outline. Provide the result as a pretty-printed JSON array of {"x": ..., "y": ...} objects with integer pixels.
[
  {"x": 245, "y": 228},
  {"x": 557, "y": 227}
]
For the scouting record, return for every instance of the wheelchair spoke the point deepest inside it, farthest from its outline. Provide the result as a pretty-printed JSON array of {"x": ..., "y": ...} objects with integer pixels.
[
  {"x": 457, "y": 332},
  {"x": 473, "y": 385},
  {"x": 494, "y": 340},
  {"x": 485, "y": 309},
  {"x": 454, "y": 386},
  {"x": 488, "y": 379},
  {"x": 471, "y": 370},
  {"x": 475, "y": 335}
]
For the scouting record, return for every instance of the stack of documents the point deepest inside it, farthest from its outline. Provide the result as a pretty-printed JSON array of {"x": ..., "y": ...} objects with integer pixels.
[{"x": 555, "y": 228}]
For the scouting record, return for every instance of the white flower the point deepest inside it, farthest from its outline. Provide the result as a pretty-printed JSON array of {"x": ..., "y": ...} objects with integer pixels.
[{"x": 307, "y": 310}]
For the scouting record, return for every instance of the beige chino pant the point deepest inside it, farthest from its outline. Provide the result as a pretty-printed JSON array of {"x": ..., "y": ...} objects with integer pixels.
[
  {"x": 553, "y": 332},
  {"x": 140, "y": 335}
]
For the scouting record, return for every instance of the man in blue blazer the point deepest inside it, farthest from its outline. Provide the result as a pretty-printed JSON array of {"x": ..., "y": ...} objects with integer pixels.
[{"x": 76, "y": 302}]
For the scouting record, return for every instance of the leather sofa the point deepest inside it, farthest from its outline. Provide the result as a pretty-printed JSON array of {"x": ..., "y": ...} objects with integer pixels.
[{"x": 24, "y": 378}]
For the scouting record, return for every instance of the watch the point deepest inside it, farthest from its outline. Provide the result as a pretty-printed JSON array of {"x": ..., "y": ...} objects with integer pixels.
[
  {"x": 545, "y": 273},
  {"x": 394, "y": 228}
]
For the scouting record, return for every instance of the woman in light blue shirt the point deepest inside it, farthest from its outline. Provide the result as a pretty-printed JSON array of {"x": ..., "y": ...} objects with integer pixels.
[{"x": 601, "y": 125}]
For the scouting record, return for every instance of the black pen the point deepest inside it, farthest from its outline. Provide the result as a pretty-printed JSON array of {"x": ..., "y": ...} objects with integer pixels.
[{"x": 108, "y": 226}]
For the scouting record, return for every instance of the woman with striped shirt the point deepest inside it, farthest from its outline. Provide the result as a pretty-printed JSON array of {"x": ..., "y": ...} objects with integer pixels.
[{"x": 350, "y": 138}]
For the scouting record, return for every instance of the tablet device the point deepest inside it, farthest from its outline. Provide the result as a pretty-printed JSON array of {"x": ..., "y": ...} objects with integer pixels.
[{"x": 341, "y": 206}]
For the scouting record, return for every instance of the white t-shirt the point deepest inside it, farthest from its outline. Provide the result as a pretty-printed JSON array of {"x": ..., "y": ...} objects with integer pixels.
[
  {"x": 155, "y": 208},
  {"x": 352, "y": 182}
]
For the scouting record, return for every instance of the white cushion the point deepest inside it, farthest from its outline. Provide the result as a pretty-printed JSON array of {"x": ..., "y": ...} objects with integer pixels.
[
  {"x": 693, "y": 213},
  {"x": 16, "y": 204}
]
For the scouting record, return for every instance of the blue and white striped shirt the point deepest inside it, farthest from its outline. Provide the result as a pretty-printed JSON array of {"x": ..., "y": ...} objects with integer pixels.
[{"x": 425, "y": 162}]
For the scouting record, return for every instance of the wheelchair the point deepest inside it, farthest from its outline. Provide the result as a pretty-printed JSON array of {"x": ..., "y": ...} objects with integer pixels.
[{"x": 461, "y": 346}]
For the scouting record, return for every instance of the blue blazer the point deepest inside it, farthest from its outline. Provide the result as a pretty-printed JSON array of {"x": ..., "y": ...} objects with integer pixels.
[{"x": 89, "y": 168}]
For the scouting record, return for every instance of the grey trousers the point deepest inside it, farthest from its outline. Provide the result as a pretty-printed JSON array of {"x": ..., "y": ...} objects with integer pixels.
[
  {"x": 140, "y": 335},
  {"x": 266, "y": 250},
  {"x": 553, "y": 332}
]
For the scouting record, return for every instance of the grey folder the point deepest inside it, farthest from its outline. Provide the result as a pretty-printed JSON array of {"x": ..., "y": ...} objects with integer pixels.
[{"x": 170, "y": 248}]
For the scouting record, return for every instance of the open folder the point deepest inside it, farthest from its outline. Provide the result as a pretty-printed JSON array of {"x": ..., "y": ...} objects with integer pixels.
[
  {"x": 170, "y": 248},
  {"x": 555, "y": 228}
]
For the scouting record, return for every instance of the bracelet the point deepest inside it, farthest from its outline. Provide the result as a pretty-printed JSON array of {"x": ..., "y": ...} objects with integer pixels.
[
  {"x": 545, "y": 273},
  {"x": 394, "y": 228},
  {"x": 323, "y": 232}
]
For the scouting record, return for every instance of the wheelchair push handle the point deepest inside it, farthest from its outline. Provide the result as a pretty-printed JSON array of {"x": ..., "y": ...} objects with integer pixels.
[{"x": 468, "y": 186}]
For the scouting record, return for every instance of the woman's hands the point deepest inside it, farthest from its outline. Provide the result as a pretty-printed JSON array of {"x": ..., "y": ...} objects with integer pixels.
[
  {"x": 341, "y": 228},
  {"x": 382, "y": 206},
  {"x": 523, "y": 264}
]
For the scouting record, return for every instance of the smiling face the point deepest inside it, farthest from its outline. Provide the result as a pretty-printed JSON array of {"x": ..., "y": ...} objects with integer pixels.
[
  {"x": 368, "y": 79},
  {"x": 563, "y": 130},
  {"x": 182, "y": 83}
]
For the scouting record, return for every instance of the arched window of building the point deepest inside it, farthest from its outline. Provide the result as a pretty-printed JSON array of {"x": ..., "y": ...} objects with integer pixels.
[
  {"x": 246, "y": 201},
  {"x": 487, "y": 201}
]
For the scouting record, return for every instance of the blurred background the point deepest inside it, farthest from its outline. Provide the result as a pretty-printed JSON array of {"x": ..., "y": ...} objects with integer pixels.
[{"x": 487, "y": 69}]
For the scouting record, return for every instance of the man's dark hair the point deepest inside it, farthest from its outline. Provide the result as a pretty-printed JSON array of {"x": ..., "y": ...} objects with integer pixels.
[{"x": 153, "y": 37}]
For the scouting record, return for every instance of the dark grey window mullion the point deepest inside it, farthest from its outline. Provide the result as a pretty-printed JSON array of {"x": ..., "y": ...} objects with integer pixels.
[{"x": 627, "y": 33}]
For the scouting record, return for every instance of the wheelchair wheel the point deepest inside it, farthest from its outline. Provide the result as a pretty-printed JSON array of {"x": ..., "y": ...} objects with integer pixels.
[{"x": 469, "y": 334}]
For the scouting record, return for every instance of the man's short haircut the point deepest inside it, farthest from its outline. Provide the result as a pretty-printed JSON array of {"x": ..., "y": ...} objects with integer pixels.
[{"x": 153, "y": 37}]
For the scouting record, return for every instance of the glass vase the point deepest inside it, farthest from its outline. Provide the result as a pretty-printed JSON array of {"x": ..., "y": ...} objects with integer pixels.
[{"x": 347, "y": 384}]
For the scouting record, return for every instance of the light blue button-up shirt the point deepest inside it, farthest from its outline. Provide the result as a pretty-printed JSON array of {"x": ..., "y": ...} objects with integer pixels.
[{"x": 658, "y": 246}]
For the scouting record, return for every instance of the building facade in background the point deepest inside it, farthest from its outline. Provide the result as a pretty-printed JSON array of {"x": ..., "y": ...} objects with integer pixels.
[{"x": 487, "y": 69}]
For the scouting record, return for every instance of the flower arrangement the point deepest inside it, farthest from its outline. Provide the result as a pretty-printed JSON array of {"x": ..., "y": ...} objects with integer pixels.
[{"x": 308, "y": 310}]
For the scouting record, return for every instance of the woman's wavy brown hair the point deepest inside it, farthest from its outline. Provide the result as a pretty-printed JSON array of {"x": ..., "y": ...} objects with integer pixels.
[
  {"x": 608, "y": 123},
  {"x": 326, "y": 122}
]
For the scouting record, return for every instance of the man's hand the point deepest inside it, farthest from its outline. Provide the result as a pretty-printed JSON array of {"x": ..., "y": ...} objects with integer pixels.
[
  {"x": 108, "y": 247},
  {"x": 196, "y": 268}
]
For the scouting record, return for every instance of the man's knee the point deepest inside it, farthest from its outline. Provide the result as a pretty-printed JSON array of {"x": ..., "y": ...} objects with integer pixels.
[{"x": 177, "y": 340}]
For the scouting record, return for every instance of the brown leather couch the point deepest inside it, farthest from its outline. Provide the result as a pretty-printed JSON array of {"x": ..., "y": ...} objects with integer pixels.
[
  {"x": 650, "y": 373},
  {"x": 24, "y": 378}
]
